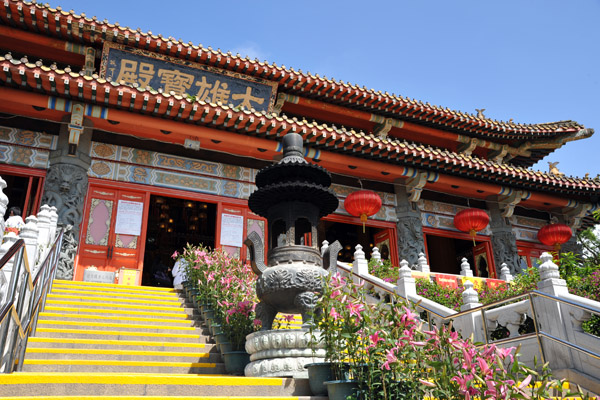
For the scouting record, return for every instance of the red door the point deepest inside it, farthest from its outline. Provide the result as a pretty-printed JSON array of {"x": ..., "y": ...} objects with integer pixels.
[
  {"x": 383, "y": 240},
  {"x": 113, "y": 231},
  {"x": 483, "y": 263}
]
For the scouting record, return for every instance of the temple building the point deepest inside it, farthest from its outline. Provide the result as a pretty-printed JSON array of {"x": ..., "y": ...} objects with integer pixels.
[{"x": 145, "y": 143}]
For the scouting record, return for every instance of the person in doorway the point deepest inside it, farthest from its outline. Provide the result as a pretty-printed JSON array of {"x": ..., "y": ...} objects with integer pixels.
[
  {"x": 14, "y": 223},
  {"x": 178, "y": 273}
]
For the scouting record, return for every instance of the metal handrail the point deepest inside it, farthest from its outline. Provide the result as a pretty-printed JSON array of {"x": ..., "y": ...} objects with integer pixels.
[
  {"x": 481, "y": 310},
  {"x": 26, "y": 297}
]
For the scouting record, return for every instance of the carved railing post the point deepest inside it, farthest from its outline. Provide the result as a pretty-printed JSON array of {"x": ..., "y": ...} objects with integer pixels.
[
  {"x": 552, "y": 318},
  {"x": 375, "y": 255},
  {"x": 29, "y": 234},
  {"x": 470, "y": 323},
  {"x": 9, "y": 239},
  {"x": 505, "y": 273},
  {"x": 360, "y": 266},
  {"x": 470, "y": 297},
  {"x": 324, "y": 247},
  {"x": 44, "y": 219},
  {"x": 53, "y": 223},
  {"x": 3, "y": 204},
  {"x": 465, "y": 268},
  {"x": 406, "y": 285},
  {"x": 422, "y": 264}
]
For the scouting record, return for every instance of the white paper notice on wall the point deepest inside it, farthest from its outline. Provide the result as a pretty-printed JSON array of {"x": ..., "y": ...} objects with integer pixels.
[
  {"x": 232, "y": 230},
  {"x": 129, "y": 217}
]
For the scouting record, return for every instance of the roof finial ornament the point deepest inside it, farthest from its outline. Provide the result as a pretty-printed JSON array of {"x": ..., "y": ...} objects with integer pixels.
[
  {"x": 553, "y": 169},
  {"x": 480, "y": 113}
]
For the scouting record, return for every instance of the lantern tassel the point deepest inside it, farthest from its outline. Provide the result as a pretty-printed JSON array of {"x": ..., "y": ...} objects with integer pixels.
[
  {"x": 473, "y": 233},
  {"x": 363, "y": 219}
]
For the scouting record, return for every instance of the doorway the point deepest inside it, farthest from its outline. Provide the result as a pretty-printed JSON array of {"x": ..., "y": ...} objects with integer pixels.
[
  {"x": 172, "y": 223},
  {"x": 350, "y": 235},
  {"x": 445, "y": 255}
]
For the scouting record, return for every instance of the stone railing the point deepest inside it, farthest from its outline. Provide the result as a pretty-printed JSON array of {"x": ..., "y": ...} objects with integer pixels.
[
  {"x": 547, "y": 323},
  {"x": 38, "y": 233}
]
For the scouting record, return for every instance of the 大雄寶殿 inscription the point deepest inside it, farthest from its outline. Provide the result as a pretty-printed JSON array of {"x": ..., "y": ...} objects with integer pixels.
[{"x": 212, "y": 85}]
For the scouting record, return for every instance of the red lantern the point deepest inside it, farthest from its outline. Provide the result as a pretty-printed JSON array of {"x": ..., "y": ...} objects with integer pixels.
[
  {"x": 471, "y": 220},
  {"x": 363, "y": 204},
  {"x": 554, "y": 235}
]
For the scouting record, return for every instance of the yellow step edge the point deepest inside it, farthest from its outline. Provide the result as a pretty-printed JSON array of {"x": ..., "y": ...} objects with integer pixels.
[
  {"x": 24, "y": 378},
  {"x": 116, "y": 305},
  {"x": 112, "y": 299},
  {"x": 120, "y": 333},
  {"x": 124, "y": 289},
  {"x": 100, "y": 293},
  {"x": 119, "y": 363},
  {"x": 45, "y": 350},
  {"x": 113, "y": 317},
  {"x": 109, "y": 342},
  {"x": 114, "y": 285},
  {"x": 175, "y": 313},
  {"x": 113, "y": 325}
]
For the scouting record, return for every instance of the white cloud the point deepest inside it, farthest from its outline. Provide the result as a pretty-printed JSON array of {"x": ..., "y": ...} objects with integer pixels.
[{"x": 250, "y": 49}]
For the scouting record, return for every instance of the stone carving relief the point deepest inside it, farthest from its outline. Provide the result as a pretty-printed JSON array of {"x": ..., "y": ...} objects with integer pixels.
[
  {"x": 65, "y": 188},
  {"x": 410, "y": 239},
  {"x": 505, "y": 251},
  {"x": 68, "y": 250}
]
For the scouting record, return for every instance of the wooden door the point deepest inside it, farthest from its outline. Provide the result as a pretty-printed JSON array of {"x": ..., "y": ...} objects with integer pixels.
[
  {"x": 113, "y": 231},
  {"x": 482, "y": 259},
  {"x": 383, "y": 241}
]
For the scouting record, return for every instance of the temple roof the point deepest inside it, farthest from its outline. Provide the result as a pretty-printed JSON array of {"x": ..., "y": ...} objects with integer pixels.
[
  {"x": 80, "y": 29},
  {"x": 97, "y": 91}
]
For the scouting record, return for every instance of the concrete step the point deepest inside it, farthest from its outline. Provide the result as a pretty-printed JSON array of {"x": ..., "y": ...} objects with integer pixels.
[
  {"x": 48, "y": 353},
  {"x": 122, "y": 366},
  {"x": 141, "y": 345},
  {"x": 99, "y": 292},
  {"x": 175, "y": 302},
  {"x": 123, "y": 326},
  {"x": 113, "y": 286},
  {"x": 79, "y": 384},
  {"x": 61, "y": 302},
  {"x": 119, "y": 312},
  {"x": 184, "y": 320},
  {"x": 109, "y": 334}
]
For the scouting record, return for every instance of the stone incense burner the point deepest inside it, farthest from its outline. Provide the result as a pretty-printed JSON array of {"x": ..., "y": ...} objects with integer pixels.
[{"x": 292, "y": 195}]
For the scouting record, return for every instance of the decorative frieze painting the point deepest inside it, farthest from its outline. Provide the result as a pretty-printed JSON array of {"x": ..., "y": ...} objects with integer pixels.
[
  {"x": 126, "y": 164},
  {"x": 526, "y": 228},
  {"x": 435, "y": 214},
  {"x": 26, "y": 148}
]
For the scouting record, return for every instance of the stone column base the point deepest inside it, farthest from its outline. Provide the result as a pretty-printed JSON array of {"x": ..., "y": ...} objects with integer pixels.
[{"x": 282, "y": 353}]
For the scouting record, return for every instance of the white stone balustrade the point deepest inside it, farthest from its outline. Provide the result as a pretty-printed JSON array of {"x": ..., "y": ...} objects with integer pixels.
[
  {"x": 505, "y": 273},
  {"x": 360, "y": 266},
  {"x": 29, "y": 234},
  {"x": 44, "y": 219},
  {"x": 3, "y": 203},
  {"x": 465, "y": 268},
  {"x": 53, "y": 222},
  {"x": 375, "y": 255},
  {"x": 422, "y": 265}
]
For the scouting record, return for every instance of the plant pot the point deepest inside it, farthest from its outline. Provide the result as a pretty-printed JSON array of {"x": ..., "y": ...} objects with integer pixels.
[
  {"x": 225, "y": 347},
  {"x": 318, "y": 374},
  {"x": 236, "y": 361},
  {"x": 215, "y": 328},
  {"x": 220, "y": 338},
  {"x": 340, "y": 390},
  {"x": 208, "y": 314}
]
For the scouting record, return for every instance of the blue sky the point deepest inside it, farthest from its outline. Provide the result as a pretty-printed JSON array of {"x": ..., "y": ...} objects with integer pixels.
[{"x": 531, "y": 60}]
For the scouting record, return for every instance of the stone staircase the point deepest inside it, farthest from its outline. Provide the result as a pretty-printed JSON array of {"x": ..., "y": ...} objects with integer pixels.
[{"x": 100, "y": 341}]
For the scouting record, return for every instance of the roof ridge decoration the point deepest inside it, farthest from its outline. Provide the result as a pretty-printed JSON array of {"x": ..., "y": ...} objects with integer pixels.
[
  {"x": 95, "y": 31},
  {"x": 71, "y": 85}
]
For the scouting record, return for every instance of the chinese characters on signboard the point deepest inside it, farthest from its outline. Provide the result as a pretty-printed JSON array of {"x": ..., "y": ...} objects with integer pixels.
[{"x": 134, "y": 66}]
